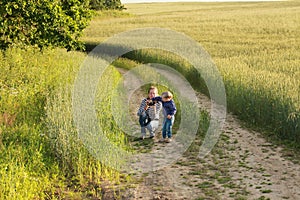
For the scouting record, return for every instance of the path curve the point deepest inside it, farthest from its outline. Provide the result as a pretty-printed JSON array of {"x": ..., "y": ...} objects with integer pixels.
[{"x": 243, "y": 165}]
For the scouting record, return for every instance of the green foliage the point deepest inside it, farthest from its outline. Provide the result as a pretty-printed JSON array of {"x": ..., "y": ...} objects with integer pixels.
[
  {"x": 106, "y": 4},
  {"x": 28, "y": 170},
  {"x": 43, "y": 23},
  {"x": 25, "y": 170},
  {"x": 29, "y": 167},
  {"x": 103, "y": 101},
  {"x": 27, "y": 78},
  {"x": 74, "y": 160}
]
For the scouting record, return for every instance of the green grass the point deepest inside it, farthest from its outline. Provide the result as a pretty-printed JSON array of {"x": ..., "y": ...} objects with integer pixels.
[
  {"x": 27, "y": 168},
  {"x": 255, "y": 46},
  {"x": 41, "y": 154}
]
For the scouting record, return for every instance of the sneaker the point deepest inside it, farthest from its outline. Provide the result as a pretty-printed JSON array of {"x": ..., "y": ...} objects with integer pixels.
[
  {"x": 151, "y": 136},
  {"x": 168, "y": 140},
  {"x": 162, "y": 140},
  {"x": 142, "y": 137}
]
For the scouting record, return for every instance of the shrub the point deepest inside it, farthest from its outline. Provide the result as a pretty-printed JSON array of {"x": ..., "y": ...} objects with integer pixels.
[{"x": 43, "y": 23}]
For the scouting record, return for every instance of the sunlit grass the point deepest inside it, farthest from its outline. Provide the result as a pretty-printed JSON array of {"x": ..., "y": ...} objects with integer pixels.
[
  {"x": 41, "y": 155},
  {"x": 255, "y": 45}
]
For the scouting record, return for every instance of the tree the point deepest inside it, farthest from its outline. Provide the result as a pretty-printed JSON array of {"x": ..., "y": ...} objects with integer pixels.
[
  {"x": 43, "y": 22},
  {"x": 106, "y": 4}
]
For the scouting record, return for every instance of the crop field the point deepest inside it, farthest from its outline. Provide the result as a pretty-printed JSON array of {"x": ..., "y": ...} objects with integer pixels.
[{"x": 255, "y": 46}]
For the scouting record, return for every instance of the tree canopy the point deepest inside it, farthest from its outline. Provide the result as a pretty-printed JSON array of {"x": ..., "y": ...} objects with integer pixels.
[
  {"x": 45, "y": 23},
  {"x": 106, "y": 4}
]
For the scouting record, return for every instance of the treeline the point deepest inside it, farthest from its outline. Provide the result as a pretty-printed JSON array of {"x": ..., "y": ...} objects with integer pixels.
[
  {"x": 106, "y": 4},
  {"x": 57, "y": 23}
]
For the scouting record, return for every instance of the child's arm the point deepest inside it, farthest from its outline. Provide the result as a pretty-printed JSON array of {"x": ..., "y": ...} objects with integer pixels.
[
  {"x": 158, "y": 98},
  {"x": 172, "y": 110}
]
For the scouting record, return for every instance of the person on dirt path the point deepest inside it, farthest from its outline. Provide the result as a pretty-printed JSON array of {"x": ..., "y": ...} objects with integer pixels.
[
  {"x": 169, "y": 112},
  {"x": 149, "y": 113}
]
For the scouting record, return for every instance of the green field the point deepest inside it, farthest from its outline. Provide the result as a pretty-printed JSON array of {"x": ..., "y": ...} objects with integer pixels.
[{"x": 256, "y": 47}]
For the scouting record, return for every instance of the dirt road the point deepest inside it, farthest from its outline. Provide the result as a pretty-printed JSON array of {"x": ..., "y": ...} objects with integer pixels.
[{"x": 242, "y": 165}]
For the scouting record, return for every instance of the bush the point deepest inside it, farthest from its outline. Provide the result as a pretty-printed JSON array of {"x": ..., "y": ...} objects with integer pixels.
[
  {"x": 43, "y": 23},
  {"x": 106, "y": 4}
]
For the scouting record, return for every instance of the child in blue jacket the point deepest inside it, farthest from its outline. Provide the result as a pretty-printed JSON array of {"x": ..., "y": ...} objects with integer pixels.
[{"x": 169, "y": 112}]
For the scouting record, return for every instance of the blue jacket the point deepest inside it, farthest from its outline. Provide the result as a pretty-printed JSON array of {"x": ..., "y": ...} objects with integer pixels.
[{"x": 169, "y": 106}]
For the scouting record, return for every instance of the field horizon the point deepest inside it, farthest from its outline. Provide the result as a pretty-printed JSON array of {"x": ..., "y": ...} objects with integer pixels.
[{"x": 191, "y": 1}]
